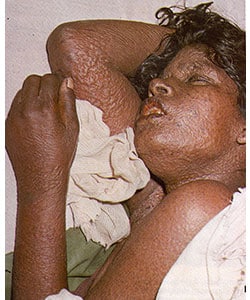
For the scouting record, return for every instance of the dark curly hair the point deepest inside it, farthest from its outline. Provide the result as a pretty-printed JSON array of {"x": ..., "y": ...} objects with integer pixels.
[{"x": 192, "y": 26}]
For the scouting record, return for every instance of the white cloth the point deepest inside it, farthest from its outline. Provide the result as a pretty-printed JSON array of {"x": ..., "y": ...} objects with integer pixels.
[
  {"x": 106, "y": 171},
  {"x": 213, "y": 264},
  {"x": 63, "y": 295}
]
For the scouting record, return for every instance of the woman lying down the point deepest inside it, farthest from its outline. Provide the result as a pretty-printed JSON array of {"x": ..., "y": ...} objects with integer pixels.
[{"x": 183, "y": 236}]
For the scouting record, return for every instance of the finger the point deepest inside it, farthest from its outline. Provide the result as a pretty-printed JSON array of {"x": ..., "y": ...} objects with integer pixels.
[
  {"x": 49, "y": 90},
  {"x": 29, "y": 91},
  {"x": 67, "y": 101},
  {"x": 16, "y": 103},
  {"x": 31, "y": 86}
]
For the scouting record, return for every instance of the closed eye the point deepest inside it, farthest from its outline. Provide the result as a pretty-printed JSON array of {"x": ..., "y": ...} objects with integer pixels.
[{"x": 198, "y": 80}]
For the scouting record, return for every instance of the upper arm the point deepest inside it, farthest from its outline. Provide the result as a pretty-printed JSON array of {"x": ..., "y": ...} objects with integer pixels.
[
  {"x": 157, "y": 240},
  {"x": 98, "y": 55},
  {"x": 196, "y": 203}
]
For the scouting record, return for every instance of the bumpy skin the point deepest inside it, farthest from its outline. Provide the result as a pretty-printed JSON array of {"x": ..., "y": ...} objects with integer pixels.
[
  {"x": 98, "y": 55},
  {"x": 191, "y": 127},
  {"x": 41, "y": 135}
]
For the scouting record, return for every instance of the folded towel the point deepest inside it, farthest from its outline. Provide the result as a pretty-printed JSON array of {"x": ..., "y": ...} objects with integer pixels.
[{"x": 106, "y": 171}]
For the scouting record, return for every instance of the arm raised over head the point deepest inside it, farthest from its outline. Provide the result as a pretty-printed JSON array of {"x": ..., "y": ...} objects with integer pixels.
[{"x": 99, "y": 55}]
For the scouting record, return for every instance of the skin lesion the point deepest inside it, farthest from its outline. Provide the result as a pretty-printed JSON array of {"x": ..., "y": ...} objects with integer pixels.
[
  {"x": 85, "y": 51},
  {"x": 162, "y": 225}
]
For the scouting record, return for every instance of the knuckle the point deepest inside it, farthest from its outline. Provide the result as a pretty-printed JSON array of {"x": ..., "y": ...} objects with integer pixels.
[
  {"x": 50, "y": 76},
  {"x": 49, "y": 82},
  {"x": 32, "y": 78}
]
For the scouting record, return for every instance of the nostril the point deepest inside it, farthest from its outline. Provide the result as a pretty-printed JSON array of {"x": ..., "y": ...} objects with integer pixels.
[
  {"x": 159, "y": 87},
  {"x": 162, "y": 89}
]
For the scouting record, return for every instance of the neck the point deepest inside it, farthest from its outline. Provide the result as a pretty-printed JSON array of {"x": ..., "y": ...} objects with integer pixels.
[{"x": 232, "y": 180}]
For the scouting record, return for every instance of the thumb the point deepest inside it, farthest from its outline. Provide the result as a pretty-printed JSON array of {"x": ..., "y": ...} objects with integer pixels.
[
  {"x": 67, "y": 102},
  {"x": 69, "y": 83}
]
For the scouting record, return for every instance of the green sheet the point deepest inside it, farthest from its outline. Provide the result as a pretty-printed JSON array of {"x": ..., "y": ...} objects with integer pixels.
[{"x": 83, "y": 259}]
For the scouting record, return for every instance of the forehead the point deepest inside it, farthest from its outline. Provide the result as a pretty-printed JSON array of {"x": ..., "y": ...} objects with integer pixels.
[
  {"x": 191, "y": 58},
  {"x": 197, "y": 58}
]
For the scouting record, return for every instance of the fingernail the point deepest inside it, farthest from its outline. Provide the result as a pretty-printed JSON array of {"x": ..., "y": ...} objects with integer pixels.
[{"x": 70, "y": 83}]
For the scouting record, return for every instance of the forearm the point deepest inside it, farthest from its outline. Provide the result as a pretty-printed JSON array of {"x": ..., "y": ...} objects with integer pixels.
[
  {"x": 99, "y": 55},
  {"x": 41, "y": 135},
  {"x": 40, "y": 248}
]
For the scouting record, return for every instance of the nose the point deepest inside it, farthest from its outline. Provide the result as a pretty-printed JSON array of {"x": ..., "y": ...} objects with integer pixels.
[{"x": 159, "y": 86}]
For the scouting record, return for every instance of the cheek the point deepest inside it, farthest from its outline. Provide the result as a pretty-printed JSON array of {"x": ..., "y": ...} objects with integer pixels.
[
  {"x": 198, "y": 126},
  {"x": 197, "y": 129},
  {"x": 207, "y": 129}
]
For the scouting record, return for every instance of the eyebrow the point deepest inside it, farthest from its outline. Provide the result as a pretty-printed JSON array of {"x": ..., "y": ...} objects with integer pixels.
[{"x": 195, "y": 66}]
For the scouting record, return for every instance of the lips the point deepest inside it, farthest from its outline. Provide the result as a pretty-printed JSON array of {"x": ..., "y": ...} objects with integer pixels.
[{"x": 152, "y": 107}]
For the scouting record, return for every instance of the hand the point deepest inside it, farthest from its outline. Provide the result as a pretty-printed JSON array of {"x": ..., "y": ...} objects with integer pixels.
[{"x": 41, "y": 132}]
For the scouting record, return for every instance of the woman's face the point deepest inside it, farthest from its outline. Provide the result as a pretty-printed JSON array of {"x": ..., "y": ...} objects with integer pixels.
[{"x": 190, "y": 117}]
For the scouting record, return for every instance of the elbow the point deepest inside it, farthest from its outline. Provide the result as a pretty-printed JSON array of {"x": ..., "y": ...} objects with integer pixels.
[
  {"x": 58, "y": 50},
  {"x": 66, "y": 46}
]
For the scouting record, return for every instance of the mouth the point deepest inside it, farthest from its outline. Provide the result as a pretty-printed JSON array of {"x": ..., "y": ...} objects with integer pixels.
[{"x": 152, "y": 108}]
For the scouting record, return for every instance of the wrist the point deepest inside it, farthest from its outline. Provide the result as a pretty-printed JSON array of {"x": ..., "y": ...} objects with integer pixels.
[{"x": 35, "y": 186}]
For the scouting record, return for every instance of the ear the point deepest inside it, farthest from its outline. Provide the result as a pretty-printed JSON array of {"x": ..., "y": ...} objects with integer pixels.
[{"x": 241, "y": 138}]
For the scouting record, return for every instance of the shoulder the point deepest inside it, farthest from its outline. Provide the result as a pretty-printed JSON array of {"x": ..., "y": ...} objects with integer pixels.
[
  {"x": 194, "y": 204},
  {"x": 209, "y": 194},
  {"x": 185, "y": 211}
]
